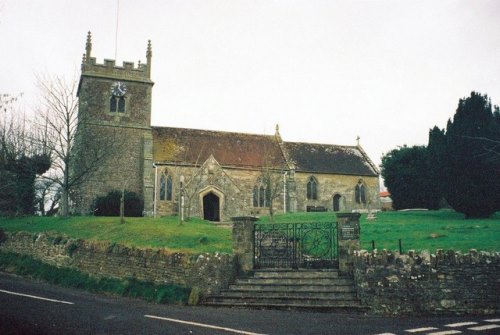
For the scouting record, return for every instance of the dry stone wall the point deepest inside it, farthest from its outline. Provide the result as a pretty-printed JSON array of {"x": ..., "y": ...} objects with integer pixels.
[
  {"x": 441, "y": 283},
  {"x": 206, "y": 272}
]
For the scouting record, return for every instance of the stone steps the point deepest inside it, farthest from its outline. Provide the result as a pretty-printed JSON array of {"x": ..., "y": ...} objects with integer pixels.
[
  {"x": 304, "y": 274},
  {"x": 291, "y": 288},
  {"x": 302, "y": 294},
  {"x": 302, "y": 289},
  {"x": 296, "y": 281}
]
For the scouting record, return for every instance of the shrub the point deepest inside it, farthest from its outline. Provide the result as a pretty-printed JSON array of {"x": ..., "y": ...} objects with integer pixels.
[{"x": 109, "y": 205}]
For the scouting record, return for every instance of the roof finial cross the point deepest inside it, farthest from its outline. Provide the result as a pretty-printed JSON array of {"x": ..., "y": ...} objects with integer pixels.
[{"x": 357, "y": 140}]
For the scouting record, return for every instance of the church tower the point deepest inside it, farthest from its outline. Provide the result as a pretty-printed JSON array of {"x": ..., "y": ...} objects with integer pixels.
[{"x": 114, "y": 137}]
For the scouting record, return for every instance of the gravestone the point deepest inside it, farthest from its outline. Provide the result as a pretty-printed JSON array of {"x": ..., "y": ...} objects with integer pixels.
[{"x": 348, "y": 240}]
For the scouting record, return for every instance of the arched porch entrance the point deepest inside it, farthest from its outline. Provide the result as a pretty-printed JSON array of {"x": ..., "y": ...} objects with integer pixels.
[{"x": 211, "y": 207}]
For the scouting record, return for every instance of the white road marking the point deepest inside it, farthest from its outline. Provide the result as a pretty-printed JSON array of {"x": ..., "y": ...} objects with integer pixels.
[
  {"x": 419, "y": 330},
  {"x": 492, "y": 320},
  {"x": 36, "y": 297},
  {"x": 446, "y": 332},
  {"x": 460, "y": 324},
  {"x": 386, "y": 334},
  {"x": 236, "y": 331},
  {"x": 487, "y": 327}
]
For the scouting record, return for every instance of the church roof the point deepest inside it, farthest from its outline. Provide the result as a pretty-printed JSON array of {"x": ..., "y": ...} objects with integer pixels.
[
  {"x": 327, "y": 158},
  {"x": 194, "y": 146}
]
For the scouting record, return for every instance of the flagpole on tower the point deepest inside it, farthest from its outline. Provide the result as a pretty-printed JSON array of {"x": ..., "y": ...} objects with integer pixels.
[{"x": 116, "y": 30}]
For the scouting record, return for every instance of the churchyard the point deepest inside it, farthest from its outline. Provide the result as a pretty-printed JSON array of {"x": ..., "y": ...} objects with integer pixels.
[{"x": 417, "y": 230}]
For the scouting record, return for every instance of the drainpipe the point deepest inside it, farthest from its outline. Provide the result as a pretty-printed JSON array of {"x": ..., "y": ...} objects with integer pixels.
[
  {"x": 284, "y": 192},
  {"x": 181, "y": 199},
  {"x": 154, "y": 190}
]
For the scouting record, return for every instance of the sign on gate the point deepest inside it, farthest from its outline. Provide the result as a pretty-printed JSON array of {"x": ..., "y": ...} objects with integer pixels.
[{"x": 296, "y": 245}]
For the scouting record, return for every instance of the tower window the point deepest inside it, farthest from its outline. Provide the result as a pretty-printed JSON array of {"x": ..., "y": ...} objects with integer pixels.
[
  {"x": 121, "y": 105},
  {"x": 117, "y": 104}
]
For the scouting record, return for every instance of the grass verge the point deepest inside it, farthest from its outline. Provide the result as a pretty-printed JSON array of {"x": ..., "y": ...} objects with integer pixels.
[{"x": 28, "y": 267}]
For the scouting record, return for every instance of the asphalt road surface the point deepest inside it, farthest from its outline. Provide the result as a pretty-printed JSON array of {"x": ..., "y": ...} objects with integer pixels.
[{"x": 28, "y": 307}]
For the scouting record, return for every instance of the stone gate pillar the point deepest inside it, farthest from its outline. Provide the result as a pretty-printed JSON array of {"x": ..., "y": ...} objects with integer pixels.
[
  {"x": 244, "y": 242},
  {"x": 348, "y": 231}
]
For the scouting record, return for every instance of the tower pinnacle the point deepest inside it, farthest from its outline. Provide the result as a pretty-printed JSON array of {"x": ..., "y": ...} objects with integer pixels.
[
  {"x": 88, "y": 46},
  {"x": 149, "y": 54}
]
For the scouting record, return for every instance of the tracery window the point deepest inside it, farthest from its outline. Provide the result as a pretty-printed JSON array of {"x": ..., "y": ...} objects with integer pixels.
[
  {"x": 261, "y": 194},
  {"x": 312, "y": 189},
  {"x": 360, "y": 193},
  {"x": 166, "y": 187}
]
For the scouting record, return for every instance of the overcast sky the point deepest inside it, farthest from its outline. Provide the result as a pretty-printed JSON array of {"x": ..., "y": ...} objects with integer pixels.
[{"x": 325, "y": 71}]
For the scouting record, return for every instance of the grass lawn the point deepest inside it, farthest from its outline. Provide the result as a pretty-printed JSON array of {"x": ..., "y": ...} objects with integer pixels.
[
  {"x": 195, "y": 236},
  {"x": 419, "y": 230},
  {"x": 431, "y": 230}
]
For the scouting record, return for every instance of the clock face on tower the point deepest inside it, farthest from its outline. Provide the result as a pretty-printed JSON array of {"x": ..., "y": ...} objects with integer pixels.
[{"x": 118, "y": 89}]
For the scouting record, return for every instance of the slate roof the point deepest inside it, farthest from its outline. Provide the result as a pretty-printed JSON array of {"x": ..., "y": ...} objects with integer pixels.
[
  {"x": 194, "y": 146},
  {"x": 327, "y": 158}
]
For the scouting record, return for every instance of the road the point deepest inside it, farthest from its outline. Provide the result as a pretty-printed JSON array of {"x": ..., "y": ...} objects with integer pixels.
[{"x": 28, "y": 307}]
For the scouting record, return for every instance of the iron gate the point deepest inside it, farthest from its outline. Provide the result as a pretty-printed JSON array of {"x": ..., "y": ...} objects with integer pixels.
[{"x": 296, "y": 245}]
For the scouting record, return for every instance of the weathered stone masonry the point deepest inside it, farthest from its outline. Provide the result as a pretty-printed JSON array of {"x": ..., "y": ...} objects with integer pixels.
[
  {"x": 445, "y": 283},
  {"x": 207, "y": 272},
  {"x": 387, "y": 283}
]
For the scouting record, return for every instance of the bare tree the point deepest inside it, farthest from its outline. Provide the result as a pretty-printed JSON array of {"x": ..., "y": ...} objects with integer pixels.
[
  {"x": 193, "y": 182},
  {"x": 77, "y": 150},
  {"x": 271, "y": 179},
  {"x": 47, "y": 196}
]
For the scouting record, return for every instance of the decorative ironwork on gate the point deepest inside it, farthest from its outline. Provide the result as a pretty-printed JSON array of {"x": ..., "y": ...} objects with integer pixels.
[{"x": 296, "y": 245}]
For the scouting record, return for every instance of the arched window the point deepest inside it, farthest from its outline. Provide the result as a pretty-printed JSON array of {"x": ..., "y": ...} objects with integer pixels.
[
  {"x": 162, "y": 187},
  {"x": 117, "y": 104},
  {"x": 262, "y": 197},
  {"x": 166, "y": 187},
  {"x": 261, "y": 194},
  {"x": 121, "y": 105},
  {"x": 169, "y": 188},
  {"x": 360, "y": 193},
  {"x": 255, "y": 196},
  {"x": 312, "y": 189}
]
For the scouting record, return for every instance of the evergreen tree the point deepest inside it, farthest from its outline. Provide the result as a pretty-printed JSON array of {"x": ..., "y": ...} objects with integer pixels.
[
  {"x": 472, "y": 169},
  {"x": 407, "y": 177},
  {"x": 436, "y": 150},
  {"x": 22, "y": 158}
]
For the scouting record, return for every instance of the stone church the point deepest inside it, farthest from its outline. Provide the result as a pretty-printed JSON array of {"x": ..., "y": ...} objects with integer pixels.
[{"x": 202, "y": 173}]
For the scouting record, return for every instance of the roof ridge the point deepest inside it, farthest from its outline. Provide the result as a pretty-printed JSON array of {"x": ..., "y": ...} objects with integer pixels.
[
  {"x": 326, "y": 144},
  {"x": 214, "y": 131}
]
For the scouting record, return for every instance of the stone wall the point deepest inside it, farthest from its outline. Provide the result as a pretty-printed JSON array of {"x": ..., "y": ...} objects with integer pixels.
[
  {"x": 117, "y": 146},
  {"x": 444, "y": 283},
  {"x": 207, "y": 272},
  {"x": 236, "y": 187},
  {"x": 330, "y": 185}
]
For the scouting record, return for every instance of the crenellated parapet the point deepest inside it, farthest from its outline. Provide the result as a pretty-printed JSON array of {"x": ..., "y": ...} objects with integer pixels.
[{"x": 109, "y": 69}]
